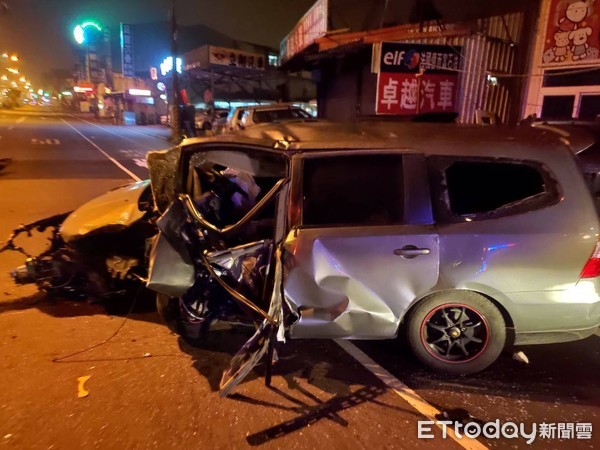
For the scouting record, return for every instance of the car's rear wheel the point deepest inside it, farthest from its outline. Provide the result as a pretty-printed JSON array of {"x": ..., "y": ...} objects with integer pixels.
[{"x": 459, "y": 332}]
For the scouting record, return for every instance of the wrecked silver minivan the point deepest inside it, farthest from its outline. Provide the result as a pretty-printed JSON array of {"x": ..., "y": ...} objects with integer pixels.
[{"x": 467, "y": 239}]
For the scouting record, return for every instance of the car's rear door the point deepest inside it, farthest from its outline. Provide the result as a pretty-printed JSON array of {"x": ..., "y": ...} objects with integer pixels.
[{"x": 362, "y": 245}]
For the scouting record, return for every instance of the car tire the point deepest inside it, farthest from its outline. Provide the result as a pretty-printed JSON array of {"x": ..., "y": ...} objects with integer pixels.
[
  {"x": 457, "y": 332},
  {"x": 169, "y": 311}
]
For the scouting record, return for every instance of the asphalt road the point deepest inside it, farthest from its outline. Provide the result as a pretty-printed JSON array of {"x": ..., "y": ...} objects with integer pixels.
[{"x": 148, "y": 389}]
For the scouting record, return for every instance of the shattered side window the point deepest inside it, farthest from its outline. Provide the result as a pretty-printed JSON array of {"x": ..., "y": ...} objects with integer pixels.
[
  {"x": 482, "y": 188},
  {"x": 353, "y": 190},
  {"x": 226, "y": 185}
]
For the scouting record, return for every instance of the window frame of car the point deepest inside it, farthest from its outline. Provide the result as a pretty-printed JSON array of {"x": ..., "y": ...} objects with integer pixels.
[
  {"x": 251, "y": 150},
  {"x": 416, "y": 202},
  {"x": 437, "y": 165}
]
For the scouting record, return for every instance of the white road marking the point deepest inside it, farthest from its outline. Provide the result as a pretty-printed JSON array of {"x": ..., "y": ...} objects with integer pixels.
[
  {"x": 35, "y": 141},
  {"x": 114, "y": 161},
  {"x": 124, "y": 137},
  {"x": 406, "y": 393},
  {"x": 141, "y": 162},
  {"x": 21, "y": 119}
]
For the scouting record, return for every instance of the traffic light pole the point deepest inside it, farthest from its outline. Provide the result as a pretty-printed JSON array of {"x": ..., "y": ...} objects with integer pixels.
[{"x": 175, "y": 112}]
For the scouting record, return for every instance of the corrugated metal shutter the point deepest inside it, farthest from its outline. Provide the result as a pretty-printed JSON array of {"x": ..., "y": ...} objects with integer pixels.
[{"x": 490, "y": 49}]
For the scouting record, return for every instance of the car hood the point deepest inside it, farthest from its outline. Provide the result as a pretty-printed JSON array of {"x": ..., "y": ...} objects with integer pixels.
[{"x": 116, "y": 210}]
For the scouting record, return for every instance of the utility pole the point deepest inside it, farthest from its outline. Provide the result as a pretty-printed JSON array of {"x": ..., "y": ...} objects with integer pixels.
[
  {"x": 175, "y": 115},
  {"x": 518, "y": 85}
]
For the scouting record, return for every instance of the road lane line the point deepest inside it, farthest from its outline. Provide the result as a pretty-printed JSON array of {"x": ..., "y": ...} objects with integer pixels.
[
  {"x": 406, "y": 393},
  {"x": 141, "y": 162},
  {"x": 113, "y": 160},
  {"x": 107, "y": 130},
  {"x": 123, "y": 137}
]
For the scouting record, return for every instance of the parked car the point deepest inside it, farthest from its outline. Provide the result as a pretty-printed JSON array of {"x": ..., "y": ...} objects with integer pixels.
[
  {"x": 219, "y": 123},
  {"x": 205, "y": 118},
  {"x": 246, "y": 116}
]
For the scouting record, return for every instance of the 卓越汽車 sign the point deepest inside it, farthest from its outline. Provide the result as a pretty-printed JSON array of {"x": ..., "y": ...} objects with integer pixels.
[{"x": 416, "y": 78}]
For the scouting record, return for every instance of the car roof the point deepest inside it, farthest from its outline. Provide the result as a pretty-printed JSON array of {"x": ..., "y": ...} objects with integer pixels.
[
  {"x": 427, "y": 138},
  {"x": 273, "y": 106}
]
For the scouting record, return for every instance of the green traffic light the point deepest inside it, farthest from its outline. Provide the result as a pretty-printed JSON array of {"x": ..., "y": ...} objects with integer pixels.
[{"x": 79, "y": 31}]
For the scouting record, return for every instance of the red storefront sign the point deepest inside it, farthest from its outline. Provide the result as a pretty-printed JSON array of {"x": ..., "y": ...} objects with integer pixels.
[
  {"x": 311, "y": 27},
  {"x": 416, "y": 79},
  {"x": 407, "y": 93}
]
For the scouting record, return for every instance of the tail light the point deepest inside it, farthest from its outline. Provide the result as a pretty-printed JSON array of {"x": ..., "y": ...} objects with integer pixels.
[{"x": 592, "y": 267}]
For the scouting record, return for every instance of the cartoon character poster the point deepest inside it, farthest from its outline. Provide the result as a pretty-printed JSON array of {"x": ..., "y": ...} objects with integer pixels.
[{"x": 573, "y": 33}]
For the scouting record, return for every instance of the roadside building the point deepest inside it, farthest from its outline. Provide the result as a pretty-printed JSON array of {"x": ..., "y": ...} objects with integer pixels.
[
  {"x": 222, "y": 77},
  {"x": 130, "y": 102},
  {"x": 384, "y": 58},
  {"x": 564, "y": 81}
]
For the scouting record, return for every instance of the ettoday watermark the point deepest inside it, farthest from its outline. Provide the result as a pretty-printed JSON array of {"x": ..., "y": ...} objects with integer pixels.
[{"x": 507, "y": 430}]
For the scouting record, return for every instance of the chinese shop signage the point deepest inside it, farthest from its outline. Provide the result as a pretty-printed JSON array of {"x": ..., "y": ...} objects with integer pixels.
[
  {"x": 236, "y": 58},
  {"x": 416, "y": 78},
  {"x": 310, "y": 28}
]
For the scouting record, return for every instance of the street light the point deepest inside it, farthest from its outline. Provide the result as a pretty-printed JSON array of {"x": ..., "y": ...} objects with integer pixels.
[{"x": 14, "y": 58}]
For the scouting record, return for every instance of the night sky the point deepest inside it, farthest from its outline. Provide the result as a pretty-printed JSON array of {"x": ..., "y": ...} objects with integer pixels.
[{"x": 40, "y": 30}]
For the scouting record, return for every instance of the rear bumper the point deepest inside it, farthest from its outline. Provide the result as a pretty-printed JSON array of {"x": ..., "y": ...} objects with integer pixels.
[
  {"x": 556, "y": 316},
  {"x": 553, "y": 337}
]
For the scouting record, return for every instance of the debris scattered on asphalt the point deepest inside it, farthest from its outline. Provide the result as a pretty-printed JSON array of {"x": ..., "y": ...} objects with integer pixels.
[
  {"x": 147, "y": 355},
  {"x": 7, "y": 436},
  {"x": 521, "y": 357},
  {"x": 81, "y": 392}
]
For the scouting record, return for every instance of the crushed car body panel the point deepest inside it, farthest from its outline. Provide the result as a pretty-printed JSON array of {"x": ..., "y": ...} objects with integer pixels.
[
  {"x": 351, "y": 283},
  {"x": 118, "y": 208},
  {"x": 163, "y": 165}
]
